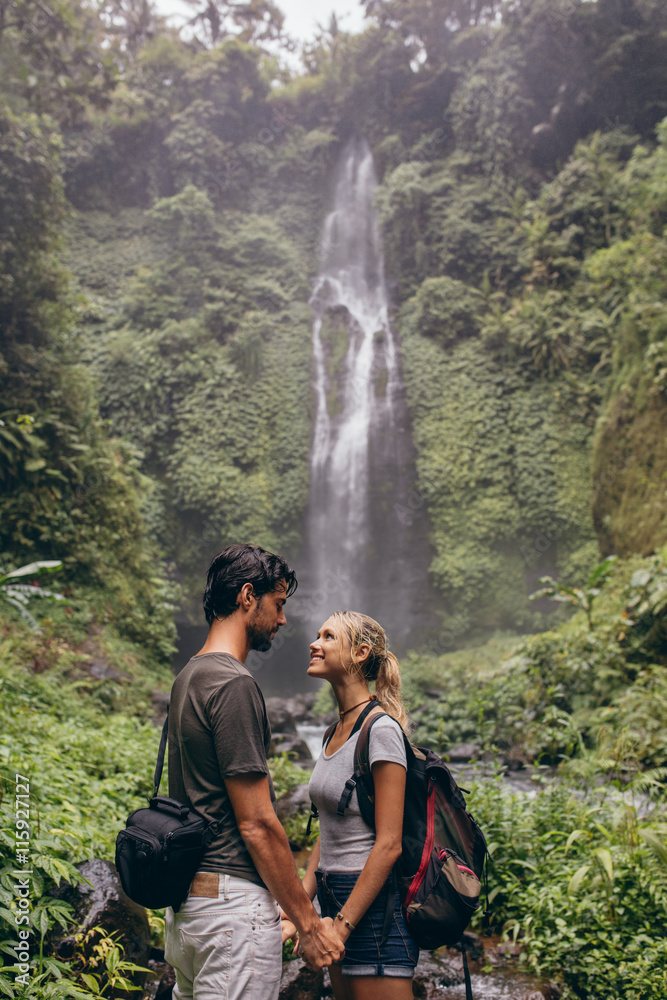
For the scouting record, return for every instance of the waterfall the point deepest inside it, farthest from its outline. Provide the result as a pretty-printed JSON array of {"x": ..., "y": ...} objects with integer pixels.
[
  {"x": 350, "y": 288},
  {"x": 359, "y": 553}
]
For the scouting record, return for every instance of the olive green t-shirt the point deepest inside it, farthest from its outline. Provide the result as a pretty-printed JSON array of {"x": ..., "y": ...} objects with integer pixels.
[{"x": 218, "y": 728}]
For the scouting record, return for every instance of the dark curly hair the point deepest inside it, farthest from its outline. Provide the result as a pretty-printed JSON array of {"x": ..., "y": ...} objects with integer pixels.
[{"x": 239, "y": 564}]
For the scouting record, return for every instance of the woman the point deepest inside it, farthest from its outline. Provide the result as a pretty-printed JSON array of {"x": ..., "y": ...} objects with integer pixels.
[{"x": 351, "y": 865}]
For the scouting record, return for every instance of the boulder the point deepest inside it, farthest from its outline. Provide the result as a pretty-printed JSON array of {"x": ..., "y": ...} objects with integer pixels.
[
  {"x": 281, "y": 719},
  {"x": 300, "y": 707},
  {"x": 300, "y": 983},
  {"x": 296, "y": 801},
  {"x": 474, "y": 945},
  {"x": 464, "y": 752},
  {"x": 289, "y": 743},
  {"x": 103, "y": 903},
  {"x": 162, "y": 978}
]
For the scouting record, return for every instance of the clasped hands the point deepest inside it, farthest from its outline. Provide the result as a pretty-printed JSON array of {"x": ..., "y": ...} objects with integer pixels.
[{"x": 322, "y": 947}]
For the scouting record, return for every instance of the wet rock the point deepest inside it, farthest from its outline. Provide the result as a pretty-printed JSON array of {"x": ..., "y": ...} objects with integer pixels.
[
  {"x": 162, "y": 978},
  {"x": 440, "y": 969},
  {"x": 508, "y": 949},
  {"x": 473, "y": 944},
  {"x": 281, "y": 719},
  {"x": 300, "y": 707},
  {"x": 287, "y": 743},
  {"x": 299, "y": 983},
  {"x": 103, "y": 903},
  {"x": 513, "y": 758},
  {"x": 296, "y": 801},
  {"x": 464, "y": 752}
]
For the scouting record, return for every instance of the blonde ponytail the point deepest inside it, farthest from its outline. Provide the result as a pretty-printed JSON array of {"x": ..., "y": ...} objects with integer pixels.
[
  {"x": 388, "y": 690},
  {"x": 380, "y": 666}
]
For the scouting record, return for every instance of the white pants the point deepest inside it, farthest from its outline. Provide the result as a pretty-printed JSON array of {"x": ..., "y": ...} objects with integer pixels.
[{"x": 227, "y": 947}]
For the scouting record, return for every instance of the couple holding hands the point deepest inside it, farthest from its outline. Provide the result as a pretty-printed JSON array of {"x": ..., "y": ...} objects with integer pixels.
[{"x": 225, "y": 941}]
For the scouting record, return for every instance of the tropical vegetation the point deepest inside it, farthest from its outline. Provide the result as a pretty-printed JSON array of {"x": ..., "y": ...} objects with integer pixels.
[{"x": 161, "y": 202}]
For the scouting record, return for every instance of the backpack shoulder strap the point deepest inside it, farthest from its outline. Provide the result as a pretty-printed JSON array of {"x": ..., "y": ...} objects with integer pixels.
[
  {"x": 329, "y": 733},
  {"x": 362, "y": 778},
  {"x": 362, "y": 751}
]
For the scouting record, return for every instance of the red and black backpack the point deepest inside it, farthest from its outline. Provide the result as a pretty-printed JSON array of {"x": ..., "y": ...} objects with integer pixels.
[{"x": 441, "y": 866}]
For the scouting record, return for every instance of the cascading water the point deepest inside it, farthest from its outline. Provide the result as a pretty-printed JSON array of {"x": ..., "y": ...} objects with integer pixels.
[
  {"x": 350, "y": 288},
  {"x": 365, "y": 543},
  {"x": 359, "y": 552}
]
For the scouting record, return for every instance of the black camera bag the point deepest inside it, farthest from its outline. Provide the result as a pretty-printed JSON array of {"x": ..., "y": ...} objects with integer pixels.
[{"x": 161, "y": 847}]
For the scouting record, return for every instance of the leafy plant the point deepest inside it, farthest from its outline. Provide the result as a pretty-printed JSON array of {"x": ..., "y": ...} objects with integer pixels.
[
  {"x": 581, "y": 598},
  {"x": 19, "y": 595},
  {"x": 99, "y": 964}
]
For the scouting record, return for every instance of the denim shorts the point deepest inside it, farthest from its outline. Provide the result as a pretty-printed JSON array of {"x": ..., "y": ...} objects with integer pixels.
[{"x": 364, "y": 953}]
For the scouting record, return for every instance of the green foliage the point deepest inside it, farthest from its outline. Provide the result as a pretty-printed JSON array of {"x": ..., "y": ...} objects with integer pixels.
[
  {"x": 580, "y": 597},
  {"x": 98, "y": 963},
  {"x": 579, "y": 881},
  {"x": 444, "y": 309},
  {"x": 527, "y": 258},
  {"x": 187, "y": 372},
  {"x": 85, "y": 745},
  {"x": 68, "y": 494},
  {"x": 31, "y": 209},
  {"x": 506, "y": 498},
  {"x": 19, "y": 594},
  {"x": 54, "y": 61},
  {"x": 564, "y": 690},
  {"x": 579, "y": 342}
]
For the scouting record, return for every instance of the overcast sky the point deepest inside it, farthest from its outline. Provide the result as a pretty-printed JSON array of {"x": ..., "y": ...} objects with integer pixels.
[{"x": 301, "y": 16}]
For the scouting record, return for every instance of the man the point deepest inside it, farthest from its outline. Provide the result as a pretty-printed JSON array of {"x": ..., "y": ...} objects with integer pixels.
[{"x": 225, "y": 941}]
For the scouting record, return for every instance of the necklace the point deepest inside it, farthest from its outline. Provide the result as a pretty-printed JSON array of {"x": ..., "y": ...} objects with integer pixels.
[{"x": 372, "y": 698}]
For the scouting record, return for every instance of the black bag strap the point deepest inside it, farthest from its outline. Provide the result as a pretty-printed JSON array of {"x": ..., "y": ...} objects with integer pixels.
[
  {"x": 157, "y": 777},
  {"x": 466, "y": 971}
]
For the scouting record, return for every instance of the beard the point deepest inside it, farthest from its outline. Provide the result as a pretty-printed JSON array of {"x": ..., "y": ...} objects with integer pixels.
[{"x": 259, "y": 636}]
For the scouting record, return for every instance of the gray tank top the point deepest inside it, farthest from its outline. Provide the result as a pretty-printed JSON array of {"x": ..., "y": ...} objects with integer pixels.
[{"x": 346, "y": 841}]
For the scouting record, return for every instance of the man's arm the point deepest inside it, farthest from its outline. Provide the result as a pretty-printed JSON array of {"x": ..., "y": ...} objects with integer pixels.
[{"x": 269, "y": 849}]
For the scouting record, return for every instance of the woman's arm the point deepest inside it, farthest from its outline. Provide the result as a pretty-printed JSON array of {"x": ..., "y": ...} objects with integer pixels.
[
  {"x": 310, "y": 885},
  {"x": 389, "y": 782},
  {"x": 309, "y": 880}
]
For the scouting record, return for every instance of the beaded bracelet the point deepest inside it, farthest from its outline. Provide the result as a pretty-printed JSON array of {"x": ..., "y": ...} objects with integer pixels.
[{"x": 340, "y": 916}]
